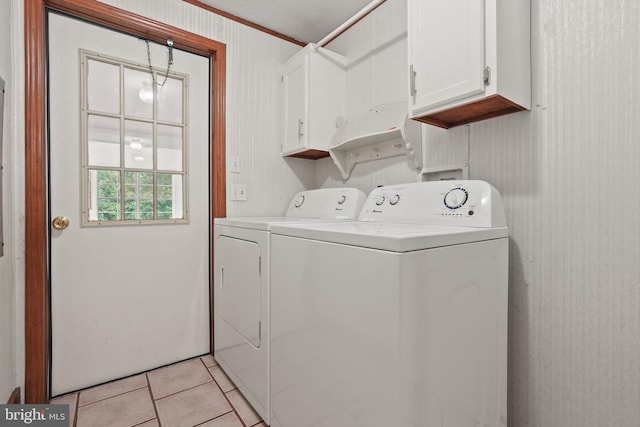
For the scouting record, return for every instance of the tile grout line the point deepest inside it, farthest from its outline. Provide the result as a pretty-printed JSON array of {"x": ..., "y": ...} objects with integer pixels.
[
  {"x": 218, "y": 385},
  {"x": 213, "y": 380},
  {"x": 108, "y": 397},
  {"x": 214, "y": 418},
  {"x": 233, "y": 408},
  {"x": 188, "y": 388},
  {"x": 153, "y": 401},
  {"x": 76, "y": 410},
  {"x": 225, "y": 375}
]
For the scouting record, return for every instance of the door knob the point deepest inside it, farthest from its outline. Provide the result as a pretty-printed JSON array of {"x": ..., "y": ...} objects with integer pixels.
[{"x": 60, "y": 223}]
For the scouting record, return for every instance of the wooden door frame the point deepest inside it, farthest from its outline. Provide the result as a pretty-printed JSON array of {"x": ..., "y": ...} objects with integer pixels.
[{"x": 37, "y": 297}]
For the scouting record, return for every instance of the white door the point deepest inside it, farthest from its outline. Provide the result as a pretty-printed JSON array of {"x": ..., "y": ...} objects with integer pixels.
[
  {"x": 129, "y": 170},
  {"x": 446, "y": 51}
]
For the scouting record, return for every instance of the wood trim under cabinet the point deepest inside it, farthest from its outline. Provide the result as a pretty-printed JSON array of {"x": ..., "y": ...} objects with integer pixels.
[
  {"x": 37, "y": 298},
  {"x": 245, "y": 22},
  {"x": 486, "y": 108},
  {"x": 310, "y": 154}
]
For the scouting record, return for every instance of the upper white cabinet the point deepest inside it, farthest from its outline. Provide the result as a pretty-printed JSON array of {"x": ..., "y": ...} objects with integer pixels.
[
  {"x": 469, "y": 60},
  {"x": 314, "y": 87}
]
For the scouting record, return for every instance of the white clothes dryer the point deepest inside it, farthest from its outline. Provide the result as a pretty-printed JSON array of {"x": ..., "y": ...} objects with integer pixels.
[
  {"x": 398, "y": 319},
  {"x": 241, "y": 286}
]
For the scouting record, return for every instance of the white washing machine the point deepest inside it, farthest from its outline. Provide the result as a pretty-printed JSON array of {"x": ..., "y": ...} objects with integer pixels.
[
  {"x": 241, "y": 283},
  {"x": 398, "y": 319}
]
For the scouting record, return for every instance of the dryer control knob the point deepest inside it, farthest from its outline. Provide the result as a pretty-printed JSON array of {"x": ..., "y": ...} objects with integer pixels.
[
  {"x": 456, "y": 198},
  {"x": 299, "y": 201},
  {"x": 342, "y": 199},
  {"x": 394, "y": 199},
  {"x": 380, "y": 200}
]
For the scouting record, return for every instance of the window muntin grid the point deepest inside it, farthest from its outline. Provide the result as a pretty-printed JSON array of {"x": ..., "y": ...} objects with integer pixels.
[{"x": 134, "y": 150}]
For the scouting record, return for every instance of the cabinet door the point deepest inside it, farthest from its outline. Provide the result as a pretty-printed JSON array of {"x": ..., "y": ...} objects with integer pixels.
[
  {"x": 446, "y": 51},
  {"x": 296, "y": 96}
]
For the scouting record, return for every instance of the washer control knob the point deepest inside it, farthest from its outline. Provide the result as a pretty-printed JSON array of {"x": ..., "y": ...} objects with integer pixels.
[
  {"x": 380, "y": 200},
  {"x": 394, "y": 199},
  {"x": 299, "y": 201},
  {"x": 456, "y": 198},
  {"x": 342, "y": 199}
]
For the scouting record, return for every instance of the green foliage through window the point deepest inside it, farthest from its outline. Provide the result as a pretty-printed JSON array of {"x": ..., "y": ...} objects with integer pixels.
[
  {"x": 139, "y": 196},
  {"x": 108, "y": 195},
  {"x": 165, "y": 196},
  {"x": 138, "y": 202}
]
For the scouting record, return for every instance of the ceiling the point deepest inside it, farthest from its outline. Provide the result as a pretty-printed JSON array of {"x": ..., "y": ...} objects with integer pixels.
[{"x": 303, "y": 20}]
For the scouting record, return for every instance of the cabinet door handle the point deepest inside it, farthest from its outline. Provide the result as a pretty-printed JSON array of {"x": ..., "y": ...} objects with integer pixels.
[
  {"x": 300, "y": 128},
  {"x": 412, "y": 79}
]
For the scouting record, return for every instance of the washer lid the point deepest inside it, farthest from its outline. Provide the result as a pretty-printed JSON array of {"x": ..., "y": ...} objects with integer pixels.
[{"x": 389, "y": 236}]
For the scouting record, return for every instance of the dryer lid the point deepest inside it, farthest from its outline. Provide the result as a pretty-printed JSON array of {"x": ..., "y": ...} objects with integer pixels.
[
  {"x": 325, "y": 204},
  {"x": 265, "y": 223}
]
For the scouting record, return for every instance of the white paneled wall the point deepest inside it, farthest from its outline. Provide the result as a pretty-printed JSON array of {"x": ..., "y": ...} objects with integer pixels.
[
  {"x": 12, "y": 263},
  {"x": 7, "y": 368},
  {"x": 569, "y": 174},
  {"x": 254, "y": 105}
]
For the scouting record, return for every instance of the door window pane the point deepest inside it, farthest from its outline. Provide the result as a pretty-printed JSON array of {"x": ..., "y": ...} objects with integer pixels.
[
  {"x": 138, "y": 149},
  {"x": 170, "y": 196},
  {"x": 104, "y": 141},
  {"x": 169, "y": 148},
  {"x": 104, "y": 195},
  {"x": 103, "y": 87},
  {"x": 170, "y": 101},
  {"x": 138, "y": 190},
  {"x": 138, "y": 93}
]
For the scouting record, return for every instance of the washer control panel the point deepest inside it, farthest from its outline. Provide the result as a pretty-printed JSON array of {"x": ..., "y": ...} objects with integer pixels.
[
  {"x": 298, "y": 200},
  {"x": 456, "y": 198},
  {"x": 334, "y": 203},
  {"x": 467, "y": 203}
]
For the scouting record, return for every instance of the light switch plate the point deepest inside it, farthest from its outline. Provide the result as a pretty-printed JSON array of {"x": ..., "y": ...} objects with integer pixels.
[
  {"x": 234, "y": 166},
  {"x": 238, "y": 192}
]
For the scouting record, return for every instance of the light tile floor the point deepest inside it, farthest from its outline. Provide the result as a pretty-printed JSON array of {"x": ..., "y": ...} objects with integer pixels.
[{"x": 187, "y": 394}]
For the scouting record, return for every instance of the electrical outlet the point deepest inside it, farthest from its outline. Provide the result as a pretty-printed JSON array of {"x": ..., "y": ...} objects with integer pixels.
[
  {"x": 238, "y": 192},
  {"x": 234, "y": 166}
]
